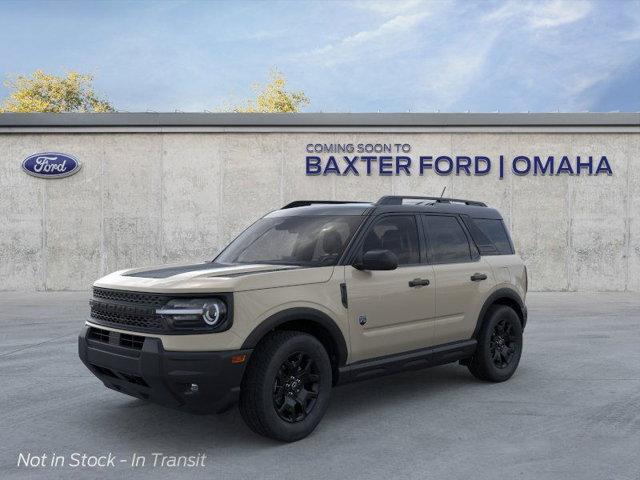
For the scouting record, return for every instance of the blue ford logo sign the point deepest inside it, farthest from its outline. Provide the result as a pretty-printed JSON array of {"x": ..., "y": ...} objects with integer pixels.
[{"x": 51, "y": 165}]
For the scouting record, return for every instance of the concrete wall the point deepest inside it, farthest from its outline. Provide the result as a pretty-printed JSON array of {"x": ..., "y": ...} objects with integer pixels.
[{"x": 150, "y": 198}]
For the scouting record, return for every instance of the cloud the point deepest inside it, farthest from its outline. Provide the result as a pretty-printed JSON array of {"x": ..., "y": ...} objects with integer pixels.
[
  {"x": 393, "y": 36},
  {"x": 510, "y": 55},
  {"x": 632, "y": 14},
  {"x": 557, "y": 12},
  {"x": 558, "y": 62},
  {"x": 387, "y": 8},
  {"x": 450, "y": 74},
  {"x": 541, "y": 15}
]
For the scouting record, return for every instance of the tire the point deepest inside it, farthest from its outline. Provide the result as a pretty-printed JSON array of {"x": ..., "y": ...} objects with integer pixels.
[
  {"x": 272, "y": 402},
  {"x": 499, "y": 345}
]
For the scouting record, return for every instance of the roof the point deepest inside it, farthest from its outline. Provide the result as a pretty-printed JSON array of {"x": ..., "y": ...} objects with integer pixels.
[
  {"x": 317, "y": 121},
  {"x": 355, "y": 208},
  {"x": 474, "y": 211},
  {"x": 363, "y": 208}
]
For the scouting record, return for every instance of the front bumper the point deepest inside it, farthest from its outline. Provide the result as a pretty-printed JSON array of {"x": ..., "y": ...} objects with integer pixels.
[{"x": 139, "y": 366}]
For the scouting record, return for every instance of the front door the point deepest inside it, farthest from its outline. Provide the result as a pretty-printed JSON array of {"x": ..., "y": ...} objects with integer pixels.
[{"x": 391, "y": 311}]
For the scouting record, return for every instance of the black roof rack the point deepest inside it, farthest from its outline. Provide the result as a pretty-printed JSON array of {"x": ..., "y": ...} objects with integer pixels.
[
  {"x": 397, "y": 200},
  {"x": 306, "y": 203}
]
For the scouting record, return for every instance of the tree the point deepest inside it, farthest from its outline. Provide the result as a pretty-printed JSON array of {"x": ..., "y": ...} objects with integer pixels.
[
  {"x": 42, "y": 92},
  {"x": 274, "y": 98}
]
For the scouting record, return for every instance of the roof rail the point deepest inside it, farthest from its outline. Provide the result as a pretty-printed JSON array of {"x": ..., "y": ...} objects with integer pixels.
[
  {"x": 306, "y": 203},
  {"x": 397, "y": 200}
]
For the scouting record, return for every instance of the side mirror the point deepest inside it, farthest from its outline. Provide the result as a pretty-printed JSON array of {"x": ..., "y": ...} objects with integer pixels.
[{"x": 378, "y": 260}]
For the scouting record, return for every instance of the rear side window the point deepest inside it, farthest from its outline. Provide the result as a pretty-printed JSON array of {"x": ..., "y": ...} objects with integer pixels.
[
  {"x": 496, "y": 232},
  {"x": 397, "y": 233},
  {"x": 447, "y": 240}
]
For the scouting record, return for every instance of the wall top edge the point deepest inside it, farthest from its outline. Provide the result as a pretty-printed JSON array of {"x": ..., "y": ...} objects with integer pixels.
[
  {"x": 297, "y": 120},
  {"x": 612, "y": 129}
]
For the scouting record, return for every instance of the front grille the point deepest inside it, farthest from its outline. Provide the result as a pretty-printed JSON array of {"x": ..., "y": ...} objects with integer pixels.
[
  {"x": 149, "y": 299},
  {"x": 136, "y": 311},
  {"x": 123, "y": 317},
  {"x": 127, "y": 310}
]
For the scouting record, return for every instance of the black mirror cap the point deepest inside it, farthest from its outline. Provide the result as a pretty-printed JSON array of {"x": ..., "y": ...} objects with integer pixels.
[{"x": 378, "y": 260}]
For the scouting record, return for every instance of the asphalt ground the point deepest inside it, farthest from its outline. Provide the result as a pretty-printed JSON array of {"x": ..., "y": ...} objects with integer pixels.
[{"x": 572, "y": 410}]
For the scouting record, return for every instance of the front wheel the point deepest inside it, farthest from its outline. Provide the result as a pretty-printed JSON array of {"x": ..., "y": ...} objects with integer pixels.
[
  {"x": 499, "y": 345},
  {"x": 285, "y": 390}
]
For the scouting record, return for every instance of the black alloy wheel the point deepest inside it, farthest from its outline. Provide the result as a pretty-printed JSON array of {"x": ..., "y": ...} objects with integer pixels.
[
  {"x": 502, "y": 345},
  {"x": 286, "y": 387},
  {"x": 499, "y": 345},
  {"x": 296, "y": 387}
]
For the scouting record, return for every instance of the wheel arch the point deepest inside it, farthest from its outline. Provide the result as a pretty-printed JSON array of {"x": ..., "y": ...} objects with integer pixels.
[
  {"x": 502, "y": 296},
  {"x": 307, "y": 320}
]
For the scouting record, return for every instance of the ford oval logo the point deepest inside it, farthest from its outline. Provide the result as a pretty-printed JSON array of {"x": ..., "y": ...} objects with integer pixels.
[{"x": 51, "y": 165}]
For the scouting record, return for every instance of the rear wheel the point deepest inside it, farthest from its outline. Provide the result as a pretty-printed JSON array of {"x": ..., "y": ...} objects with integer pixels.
[
  {"x": 285, "y": 390},
  {"x": 499, "y": 345}
]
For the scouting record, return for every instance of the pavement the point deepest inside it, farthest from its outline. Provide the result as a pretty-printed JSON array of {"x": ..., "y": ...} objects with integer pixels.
[{"x": 572, "y": 410}]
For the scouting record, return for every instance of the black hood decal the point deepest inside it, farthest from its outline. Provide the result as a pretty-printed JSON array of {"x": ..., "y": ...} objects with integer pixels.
[
  {"x": 166, "y": 272},
  {"x": 256, "y": 272}
]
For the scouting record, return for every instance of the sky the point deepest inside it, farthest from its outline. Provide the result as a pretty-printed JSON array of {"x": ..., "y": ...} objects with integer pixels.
[{"x": 351, "y": 56}]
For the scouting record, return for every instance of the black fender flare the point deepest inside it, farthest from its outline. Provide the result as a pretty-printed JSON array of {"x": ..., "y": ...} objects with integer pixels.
[
  {"x": 305, "y": 314},
  {"x": 507, "y": 296}
]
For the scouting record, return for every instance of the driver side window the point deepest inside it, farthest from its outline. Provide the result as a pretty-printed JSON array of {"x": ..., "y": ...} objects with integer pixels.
[{"x": 398, "y": 234}]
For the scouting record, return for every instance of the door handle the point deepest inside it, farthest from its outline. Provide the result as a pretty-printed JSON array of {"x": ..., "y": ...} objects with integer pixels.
[
  {"x": 476, "y": 277},
  {"x": 418, "y": 282}
]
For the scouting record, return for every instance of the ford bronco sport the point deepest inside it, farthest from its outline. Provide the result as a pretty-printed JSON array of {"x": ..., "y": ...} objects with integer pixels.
[{"x": 312, "y": 295}]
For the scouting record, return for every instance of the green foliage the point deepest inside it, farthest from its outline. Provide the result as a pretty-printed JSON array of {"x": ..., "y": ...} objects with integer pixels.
[
  {"x": 42, "y": 92},
  {"x": 274, "y": 98}
]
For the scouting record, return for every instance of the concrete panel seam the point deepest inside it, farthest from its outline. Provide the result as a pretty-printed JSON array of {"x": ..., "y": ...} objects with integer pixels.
[
  {"x": 511, "y": 188},
  {"x": 627, "y": 219},
  {"x": 569, "y": 200},
  {"x": 450, "y": 178},
  {"x": 44, "y": 259},
  {"x": 334, "y": 185},
  {"x": 221, "y": 159},
  {"x": 282, "y": 170},
  {"x": 162, "y": 186},
  {"x": 103, "y": 247}
]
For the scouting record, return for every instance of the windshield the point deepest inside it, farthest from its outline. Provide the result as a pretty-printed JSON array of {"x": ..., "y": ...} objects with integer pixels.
[{"x": 313, "y": 241}]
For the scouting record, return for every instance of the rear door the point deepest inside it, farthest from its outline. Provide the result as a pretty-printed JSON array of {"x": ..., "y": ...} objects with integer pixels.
[
  {"x": 462, "y": 278},
  {"x": 391, "y": 311}
]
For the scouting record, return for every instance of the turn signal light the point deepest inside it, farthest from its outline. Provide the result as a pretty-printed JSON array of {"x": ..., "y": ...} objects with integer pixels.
[{"x": 237, "y": 359}]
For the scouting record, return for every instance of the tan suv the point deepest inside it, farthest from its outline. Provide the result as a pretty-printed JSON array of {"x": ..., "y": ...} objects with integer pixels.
[{"x": 312, "y": 295}]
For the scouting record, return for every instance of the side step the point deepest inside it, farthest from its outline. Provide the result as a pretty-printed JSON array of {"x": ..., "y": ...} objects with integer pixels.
[{"x": 414, "y": 360}]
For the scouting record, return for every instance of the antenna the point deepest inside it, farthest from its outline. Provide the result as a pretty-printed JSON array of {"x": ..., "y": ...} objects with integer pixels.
[{"x": 442, "y": 194}]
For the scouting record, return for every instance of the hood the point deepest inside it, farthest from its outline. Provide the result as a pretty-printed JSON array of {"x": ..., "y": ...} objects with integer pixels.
[{"x": 211, "y": 277}]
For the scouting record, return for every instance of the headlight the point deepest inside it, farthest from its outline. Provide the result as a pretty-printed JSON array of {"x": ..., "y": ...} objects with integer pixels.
[{"x": 194, "y": 313}]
